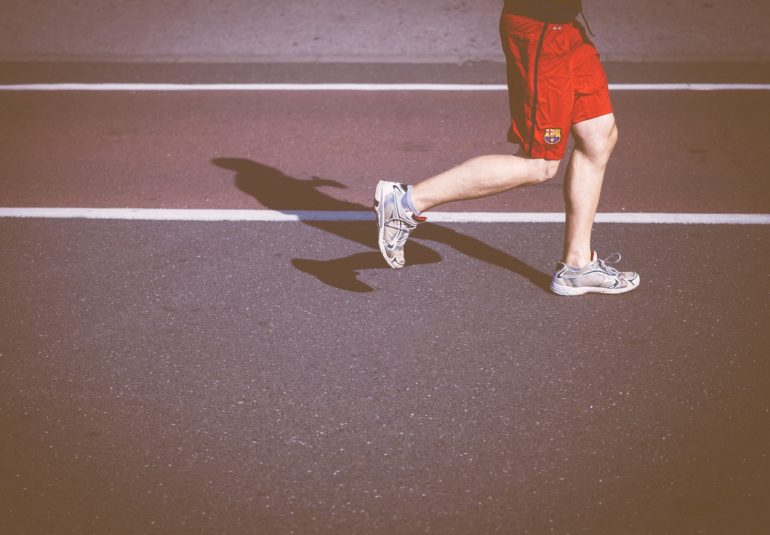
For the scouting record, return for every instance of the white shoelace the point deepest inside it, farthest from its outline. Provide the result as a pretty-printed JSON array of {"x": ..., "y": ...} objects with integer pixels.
[
  {"x": 610, "y": 260},
  {"x": 402, "y": 227}
]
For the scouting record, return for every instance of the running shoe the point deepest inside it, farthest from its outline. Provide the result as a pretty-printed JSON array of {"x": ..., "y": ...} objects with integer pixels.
[
  {"x": 394, "y": 222},
  {"x": 596, "y": 277}
]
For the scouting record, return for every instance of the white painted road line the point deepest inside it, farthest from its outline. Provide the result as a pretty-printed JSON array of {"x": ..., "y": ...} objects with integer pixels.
[
  {"x": 689, "y": 87},
  {"x": 355, "y": 87},
  {"x": 163, "y": 214}
]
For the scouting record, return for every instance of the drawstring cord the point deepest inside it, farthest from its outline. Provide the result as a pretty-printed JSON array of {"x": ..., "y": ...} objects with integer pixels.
[{"x": 588, "y": 26}]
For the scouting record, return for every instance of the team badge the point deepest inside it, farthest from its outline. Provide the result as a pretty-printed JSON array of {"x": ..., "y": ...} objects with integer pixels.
[{"x": 552, "y": 135}]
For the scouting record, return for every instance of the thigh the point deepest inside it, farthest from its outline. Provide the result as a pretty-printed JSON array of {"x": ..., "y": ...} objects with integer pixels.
[
  {"x": 540, "y": 88},
  {"x": 592, "y": 96}
]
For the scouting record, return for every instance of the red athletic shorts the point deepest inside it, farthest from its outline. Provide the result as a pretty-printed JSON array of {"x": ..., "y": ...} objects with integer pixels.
[{"x": 555, "y": 80}]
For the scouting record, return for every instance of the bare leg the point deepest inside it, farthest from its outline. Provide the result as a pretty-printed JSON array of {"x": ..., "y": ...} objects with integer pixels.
[
  {"x": 479, "y": 177},
  {"x": 594, "y": 141}
]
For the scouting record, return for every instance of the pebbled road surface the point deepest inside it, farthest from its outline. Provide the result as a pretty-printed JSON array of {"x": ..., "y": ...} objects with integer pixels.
[
  {"x": 277, "y": 378},
  {"x": 242, "y": 378}
]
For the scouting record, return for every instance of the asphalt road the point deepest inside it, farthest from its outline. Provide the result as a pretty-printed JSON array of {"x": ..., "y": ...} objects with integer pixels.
[
  {"x": 680, "y": 151},
  {"x": 424, "y": 31},
  {"x": 278, "y": 378},
  {"x": 240, "y": 378},
  {"x": 172, "y": 377}
]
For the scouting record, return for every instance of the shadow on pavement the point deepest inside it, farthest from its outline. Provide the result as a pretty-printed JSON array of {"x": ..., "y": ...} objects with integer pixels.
[{"x": 277, "y": 191}]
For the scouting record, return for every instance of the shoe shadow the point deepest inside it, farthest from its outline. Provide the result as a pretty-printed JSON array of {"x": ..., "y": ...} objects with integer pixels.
[{"x": 277, "y": 191}]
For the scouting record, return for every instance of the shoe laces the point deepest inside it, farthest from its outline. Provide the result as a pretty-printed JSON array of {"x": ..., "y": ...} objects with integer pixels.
[
  {"x": 614, "y": 258},
  {"x": 403, "y": 228}
]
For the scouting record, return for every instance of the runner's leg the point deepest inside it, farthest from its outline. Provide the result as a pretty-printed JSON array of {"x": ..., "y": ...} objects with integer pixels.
[
  {"x": 481, "y": 176},
  {"x": 594, "y": 141}
]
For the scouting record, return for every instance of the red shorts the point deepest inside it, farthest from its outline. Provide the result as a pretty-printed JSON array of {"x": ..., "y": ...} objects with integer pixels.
[{"x": 555, "y": 80}]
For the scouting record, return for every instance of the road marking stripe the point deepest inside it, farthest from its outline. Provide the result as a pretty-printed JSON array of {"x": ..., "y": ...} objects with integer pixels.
[
  {"x": 163, "y": 214},
  {"x": 355, "y": 87}
]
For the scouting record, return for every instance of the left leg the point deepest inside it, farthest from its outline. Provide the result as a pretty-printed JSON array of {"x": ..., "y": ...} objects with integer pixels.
[
  {"x": 593, "y": 125},
  {"x": 581, "y": 271},
  {"x": 594, "y": 141}
]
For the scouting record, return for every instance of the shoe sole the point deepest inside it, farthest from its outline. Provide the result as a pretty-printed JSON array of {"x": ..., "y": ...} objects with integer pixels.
[
  {"x": 381, "y": 227},
  {"x": 560, "y": 289}
]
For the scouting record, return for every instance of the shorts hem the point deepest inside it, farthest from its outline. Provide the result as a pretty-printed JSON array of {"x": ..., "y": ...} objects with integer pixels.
[{"x": 591, "y": 115}]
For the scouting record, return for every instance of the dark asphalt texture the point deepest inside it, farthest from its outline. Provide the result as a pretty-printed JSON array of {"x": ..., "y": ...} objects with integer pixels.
[
  {"x": 278, "y": 378},
  {"x": 489, "y": 72},
  {"x": 678, "y": 151},
  {"x": 229, "y": 378}
]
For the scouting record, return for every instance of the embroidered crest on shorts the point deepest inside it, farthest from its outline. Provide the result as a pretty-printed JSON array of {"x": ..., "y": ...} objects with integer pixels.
[{"x": 552, "y": 135}]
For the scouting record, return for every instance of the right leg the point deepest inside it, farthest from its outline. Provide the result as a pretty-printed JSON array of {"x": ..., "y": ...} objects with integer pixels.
[
  {"x": 398, "y": 209},
  {"x": 480, "y": 177}
]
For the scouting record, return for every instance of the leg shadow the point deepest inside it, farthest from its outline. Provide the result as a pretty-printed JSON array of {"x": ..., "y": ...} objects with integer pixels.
[
  {"x": 475, "y": 248},
  {"x": 277, "y": 191}
]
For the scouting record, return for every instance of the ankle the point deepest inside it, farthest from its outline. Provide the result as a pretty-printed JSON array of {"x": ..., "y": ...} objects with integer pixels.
[
  {"x": 407, "y": 202},
  {"x": 418, "y": 200},
  {"x": 576, "y": 259}
]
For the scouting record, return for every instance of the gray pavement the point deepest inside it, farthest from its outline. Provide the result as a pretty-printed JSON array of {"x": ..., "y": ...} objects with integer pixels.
[
  {"x": 350, "y": 30},
  {"x": 678, "y": 151},
  {"x": 475, "y": 72},
  {"x": 277, "y": 378},
  {"x": 177, "y": 378}
]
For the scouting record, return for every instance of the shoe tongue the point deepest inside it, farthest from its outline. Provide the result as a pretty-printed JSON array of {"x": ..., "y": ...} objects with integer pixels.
[{"x": 594, "y": 256}]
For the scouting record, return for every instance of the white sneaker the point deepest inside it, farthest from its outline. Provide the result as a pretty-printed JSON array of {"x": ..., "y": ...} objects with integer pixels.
[
  {"x": 394, "y": 222},
  {"x": 595, "y": 277}
]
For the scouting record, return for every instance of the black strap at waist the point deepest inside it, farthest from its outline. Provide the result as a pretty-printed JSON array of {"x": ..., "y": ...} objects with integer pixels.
[{"x": 555, "y": 11}]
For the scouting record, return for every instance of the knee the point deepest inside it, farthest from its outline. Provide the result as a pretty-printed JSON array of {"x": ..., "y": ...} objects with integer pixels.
[
  {"x": 600, "y": 145},
  {"x": 612, "y": 139},
  {"x": 608, "y": 144},
  {"x": 544, "y": 171}
]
